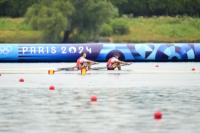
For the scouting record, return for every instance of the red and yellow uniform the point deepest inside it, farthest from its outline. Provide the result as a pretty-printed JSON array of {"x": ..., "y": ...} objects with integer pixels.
[
  {"x": 111, "y": 62},
  {"x": 81, "y": 62}
]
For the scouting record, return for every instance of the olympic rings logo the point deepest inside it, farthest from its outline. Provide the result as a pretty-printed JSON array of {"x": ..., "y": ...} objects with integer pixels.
[{"x": 5, "y": 50}]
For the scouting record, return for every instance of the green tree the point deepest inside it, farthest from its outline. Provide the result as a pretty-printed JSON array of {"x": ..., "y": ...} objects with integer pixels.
[
  {"x": 120, "y": 5},
  {"x": 158, "y": 7},
  {"x": 50, "y": 17},
  {"x": 15, "y": 8},
  {"x": 90, "y": 16},
  {"x": 70, "y": 20},
  {"x": 192, "y": 7}
]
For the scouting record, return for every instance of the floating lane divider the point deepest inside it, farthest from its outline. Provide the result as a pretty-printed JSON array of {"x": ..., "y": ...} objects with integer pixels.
[{"x": 100, "y": 52}]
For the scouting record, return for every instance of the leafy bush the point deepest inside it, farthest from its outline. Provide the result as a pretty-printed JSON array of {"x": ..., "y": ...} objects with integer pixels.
[
  {"x": 106, "y": 30},
  {"x": 120, "y": 27}
]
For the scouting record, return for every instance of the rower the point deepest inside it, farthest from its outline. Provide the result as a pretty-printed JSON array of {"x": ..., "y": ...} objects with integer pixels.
[
  {"x": 82, "y": 62},
  {"x": 114, "y": 63}
]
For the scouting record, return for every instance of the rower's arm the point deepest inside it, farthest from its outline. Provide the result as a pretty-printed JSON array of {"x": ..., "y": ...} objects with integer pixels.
[
  {"x": 121, "y": 62},
  {"x": 92, "y": 62},
  {"x": 125, "y": 63}
]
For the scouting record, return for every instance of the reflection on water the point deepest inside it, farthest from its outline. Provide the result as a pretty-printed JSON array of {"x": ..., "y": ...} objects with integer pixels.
[{"x": 125, "y": 104}]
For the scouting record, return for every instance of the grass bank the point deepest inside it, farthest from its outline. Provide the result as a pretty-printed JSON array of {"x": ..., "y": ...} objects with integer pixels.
[
  {"x": 17, "y": 31},
  {"x": 154, "y": 29},
  {"x": 162, "y": 29}
]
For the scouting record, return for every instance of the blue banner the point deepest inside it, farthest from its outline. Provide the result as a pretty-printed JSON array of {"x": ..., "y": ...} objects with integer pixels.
[{"x": 99, "y": 52}]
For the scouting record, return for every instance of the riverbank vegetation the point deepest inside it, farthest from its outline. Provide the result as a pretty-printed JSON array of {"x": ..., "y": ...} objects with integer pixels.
[{"x": 63, "y": 21}]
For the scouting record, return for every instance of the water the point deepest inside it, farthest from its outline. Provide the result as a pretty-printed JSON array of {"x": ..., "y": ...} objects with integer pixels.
[{"x": 126, "y": 102}]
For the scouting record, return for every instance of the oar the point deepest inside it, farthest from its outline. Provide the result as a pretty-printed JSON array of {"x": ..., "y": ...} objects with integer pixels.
[
  {"x": 66, "y": 69},
  {"x": 94, "y": 63},
  {"x": 104, "y": 67},
  {"x": 99, "y": 68},
  {"x": 71, "y": 68},
  {"x": 127, "y": 64}
]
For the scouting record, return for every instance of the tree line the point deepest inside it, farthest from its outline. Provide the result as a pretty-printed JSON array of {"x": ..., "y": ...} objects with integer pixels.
[
  {"x": 159, "y": 7},
  {"x": 15, "y": 8},
  {"x": 18, "y": 8}
]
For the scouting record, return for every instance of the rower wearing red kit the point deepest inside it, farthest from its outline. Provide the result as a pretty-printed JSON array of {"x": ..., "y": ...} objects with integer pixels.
[
  {"x": 114, "y": 63},
  {"x": 82, "y": 62}
]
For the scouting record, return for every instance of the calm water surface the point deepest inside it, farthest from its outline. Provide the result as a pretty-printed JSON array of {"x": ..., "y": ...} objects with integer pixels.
[{"x": 126, "y": 102}]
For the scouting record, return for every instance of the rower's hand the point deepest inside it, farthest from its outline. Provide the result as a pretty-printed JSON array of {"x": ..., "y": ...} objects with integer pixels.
[
  {"x": 129, "y": 63},
  {"x": 95, "y": 62}
]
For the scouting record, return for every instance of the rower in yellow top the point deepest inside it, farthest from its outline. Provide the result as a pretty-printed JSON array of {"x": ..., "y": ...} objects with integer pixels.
[
  {"x": 114, "y": 63},
  {"x": 84, "y": 64}
]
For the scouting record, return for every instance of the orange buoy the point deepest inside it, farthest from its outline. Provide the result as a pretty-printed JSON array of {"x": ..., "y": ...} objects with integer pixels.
[
  {"x": 51, "y": 72},
  {"x": 93, "y": 98},
  {"x": 158, "y": 115}
]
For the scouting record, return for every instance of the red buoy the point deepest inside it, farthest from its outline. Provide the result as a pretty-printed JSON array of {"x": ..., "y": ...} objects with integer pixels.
[
  {"x": 158, "y": 115},
  {"x": 51, "y": 87},
  {"x": 193, "y": 69},
  {"x": 21, "y": 80},
  {"x": 93, "y": 98}
]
